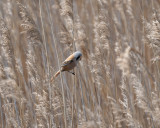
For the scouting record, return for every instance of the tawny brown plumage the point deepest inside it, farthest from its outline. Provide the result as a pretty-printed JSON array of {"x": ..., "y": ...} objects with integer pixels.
[{"x": 57, "y": 73}]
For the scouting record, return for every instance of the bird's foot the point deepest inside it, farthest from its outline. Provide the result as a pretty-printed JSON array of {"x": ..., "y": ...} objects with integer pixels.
[{"x": 71, "y": 72}]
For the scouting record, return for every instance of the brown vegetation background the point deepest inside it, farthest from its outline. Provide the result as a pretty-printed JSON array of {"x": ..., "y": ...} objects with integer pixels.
[{"x": 117, "y": 83}]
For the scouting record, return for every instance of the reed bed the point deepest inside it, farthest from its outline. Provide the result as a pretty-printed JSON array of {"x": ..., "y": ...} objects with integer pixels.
[{"x": 116, "y": 84}]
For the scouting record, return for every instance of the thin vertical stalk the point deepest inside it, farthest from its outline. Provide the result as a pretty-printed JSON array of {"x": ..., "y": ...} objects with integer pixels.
[
  {"x": 83, "y": 105},
  {"x": 1, "y": 113},
  {"x": 48, "y": 67},
  {"x": 62, "y": 85},
  {"x": 17, "y": 113}
]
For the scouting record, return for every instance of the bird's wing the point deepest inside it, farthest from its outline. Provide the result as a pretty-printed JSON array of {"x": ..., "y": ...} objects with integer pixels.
[{"x": 66, "y": 62}]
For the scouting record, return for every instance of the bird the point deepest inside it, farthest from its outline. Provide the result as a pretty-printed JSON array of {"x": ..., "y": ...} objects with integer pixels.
[{"x": 69, "y": 63}]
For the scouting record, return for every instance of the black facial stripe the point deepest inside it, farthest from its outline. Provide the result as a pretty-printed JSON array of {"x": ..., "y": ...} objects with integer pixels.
[{"x": 77, "y": 57}]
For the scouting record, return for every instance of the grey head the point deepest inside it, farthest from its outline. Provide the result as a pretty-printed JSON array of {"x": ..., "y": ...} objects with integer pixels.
[{"x": 78, "y": 55}]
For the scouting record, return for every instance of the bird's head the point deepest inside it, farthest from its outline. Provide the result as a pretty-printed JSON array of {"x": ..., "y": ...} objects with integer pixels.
[{"x": 78, "y": 55}]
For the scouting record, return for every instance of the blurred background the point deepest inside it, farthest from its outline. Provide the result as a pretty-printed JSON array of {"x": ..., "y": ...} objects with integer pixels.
[{"x": 117, "y": 82}]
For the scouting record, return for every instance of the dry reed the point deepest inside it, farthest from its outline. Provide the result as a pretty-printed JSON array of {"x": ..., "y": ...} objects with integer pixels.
[{"x": 117, "y": 83}]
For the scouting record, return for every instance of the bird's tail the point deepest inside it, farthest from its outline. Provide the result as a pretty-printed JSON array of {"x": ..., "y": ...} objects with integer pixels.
[{"x": 55, "y": 75}]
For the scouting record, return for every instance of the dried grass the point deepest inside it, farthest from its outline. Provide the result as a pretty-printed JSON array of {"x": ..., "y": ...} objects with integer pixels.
[{"x": 117, "y": 83}]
